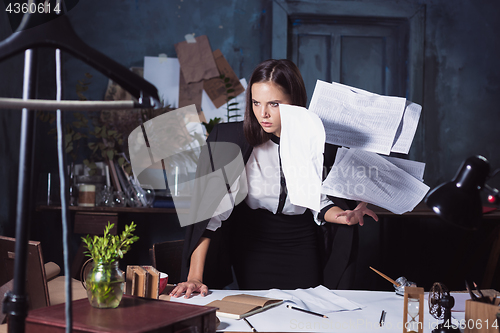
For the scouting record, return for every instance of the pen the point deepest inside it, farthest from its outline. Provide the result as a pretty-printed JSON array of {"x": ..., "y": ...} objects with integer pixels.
[
  {"x": 306, "y": 311},
  {"x": 382, "y": 318},
  {"x": 251, "y": 326}
]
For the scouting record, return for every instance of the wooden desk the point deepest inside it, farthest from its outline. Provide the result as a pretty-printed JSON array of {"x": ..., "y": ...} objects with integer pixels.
[{"x": 134, "y": 314}]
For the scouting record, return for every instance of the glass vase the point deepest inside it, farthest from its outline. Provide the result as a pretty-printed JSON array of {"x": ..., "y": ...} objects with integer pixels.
[{"x": 105, "y": 284}]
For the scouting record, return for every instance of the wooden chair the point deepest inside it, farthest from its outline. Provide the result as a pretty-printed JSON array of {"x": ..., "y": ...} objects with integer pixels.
[
  {"x": 167, "y": 258},
  {"x": 43, "y": 286},
  {"x": 36, "y": 284}
]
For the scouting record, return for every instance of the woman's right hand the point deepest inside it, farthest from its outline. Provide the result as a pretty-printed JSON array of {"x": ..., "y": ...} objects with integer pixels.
[{"x": 189, "y": 287}]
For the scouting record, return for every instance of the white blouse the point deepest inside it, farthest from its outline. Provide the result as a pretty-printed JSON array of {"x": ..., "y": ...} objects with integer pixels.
[{"x": 263, "y": 177}]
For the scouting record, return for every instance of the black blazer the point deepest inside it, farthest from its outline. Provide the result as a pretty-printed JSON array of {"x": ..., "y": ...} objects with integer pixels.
[{"x": 338, "y": 243}]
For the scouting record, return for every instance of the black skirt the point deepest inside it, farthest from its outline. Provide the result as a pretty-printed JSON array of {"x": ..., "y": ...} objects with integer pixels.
[{"x": 274, "y": 250}]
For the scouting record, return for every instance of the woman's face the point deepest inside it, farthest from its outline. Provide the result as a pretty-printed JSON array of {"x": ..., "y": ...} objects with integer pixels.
[{"x": 266, "y": 98}]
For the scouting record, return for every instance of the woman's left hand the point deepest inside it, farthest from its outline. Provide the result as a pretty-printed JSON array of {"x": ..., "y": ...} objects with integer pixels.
[{"x": 356, "y": 216}]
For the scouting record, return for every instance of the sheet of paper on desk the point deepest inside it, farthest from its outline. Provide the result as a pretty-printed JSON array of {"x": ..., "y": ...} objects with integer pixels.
[
  {"x": 365, "y": 176},
  {"x": 164, "y": 73},
  {"x": 319, "y": 299},
  {"x": 357, "y": 120}
]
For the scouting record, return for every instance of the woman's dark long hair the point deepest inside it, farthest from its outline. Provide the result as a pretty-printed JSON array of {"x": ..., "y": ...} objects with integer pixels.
[{"x": 285, "y": 74}]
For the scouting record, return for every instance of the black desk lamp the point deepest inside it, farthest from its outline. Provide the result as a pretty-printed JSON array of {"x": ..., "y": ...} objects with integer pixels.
[{"x": 459, "y": 201}]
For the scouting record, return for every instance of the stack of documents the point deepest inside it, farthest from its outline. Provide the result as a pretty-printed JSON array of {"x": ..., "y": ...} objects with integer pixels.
[
  {"x": 370, "y": 124},
  {"x": 365, "y": 176},
  {"x": 357, "y": 118}
]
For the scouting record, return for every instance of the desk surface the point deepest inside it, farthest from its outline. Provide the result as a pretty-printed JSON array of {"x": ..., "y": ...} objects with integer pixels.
[
  {"x": 133, "y": 315},
  {"x": 282, "y": 319}
]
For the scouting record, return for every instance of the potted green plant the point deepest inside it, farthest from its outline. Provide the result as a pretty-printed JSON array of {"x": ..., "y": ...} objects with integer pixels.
[{"x": 105, "y": 283}]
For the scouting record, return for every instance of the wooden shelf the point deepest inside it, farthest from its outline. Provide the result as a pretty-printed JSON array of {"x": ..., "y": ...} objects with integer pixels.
[
  {"x": 112, "y": 209},
  {"x": 422, "y": 210}
]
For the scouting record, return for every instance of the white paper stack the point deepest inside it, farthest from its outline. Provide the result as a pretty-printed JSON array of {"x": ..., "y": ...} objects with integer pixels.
[
  {"x": 365, "y": 176},
  {"x": 369, "y": 124}
]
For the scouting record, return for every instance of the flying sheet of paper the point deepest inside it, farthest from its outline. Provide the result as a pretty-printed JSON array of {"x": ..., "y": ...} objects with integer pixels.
[
  {"x": 357, "y": 120},
  {"x": 365, "y": 176},
  {"x": 210, "y": 111},
  {"x": 302, "y": 142},
  {"x": 414, "y": 168},
  {"x": 164, "y": 73},
  {"x": 407, "y": 128}
]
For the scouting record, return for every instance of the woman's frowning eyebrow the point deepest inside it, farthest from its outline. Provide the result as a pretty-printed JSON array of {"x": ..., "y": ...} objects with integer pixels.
[{"x": 269, "y": 102}]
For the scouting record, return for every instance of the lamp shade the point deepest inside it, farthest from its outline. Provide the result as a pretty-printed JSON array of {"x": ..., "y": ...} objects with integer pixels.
[{"x": 459, "y": 201}]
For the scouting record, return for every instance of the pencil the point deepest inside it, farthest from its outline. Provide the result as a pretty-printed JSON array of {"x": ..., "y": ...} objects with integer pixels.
[
  {"x": 382, "y": 318},
  {"x": 251, "y": 326},
  {"x": 385, "y": 277},
  {"x": 306, "y": 311}
]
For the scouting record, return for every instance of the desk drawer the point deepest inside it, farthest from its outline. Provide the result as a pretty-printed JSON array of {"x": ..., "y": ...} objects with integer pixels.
[{"x": 94, "y": 223}]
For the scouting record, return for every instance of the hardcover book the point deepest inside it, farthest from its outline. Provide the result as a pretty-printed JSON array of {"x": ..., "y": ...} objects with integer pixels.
[{"x": 242, "y": 305}]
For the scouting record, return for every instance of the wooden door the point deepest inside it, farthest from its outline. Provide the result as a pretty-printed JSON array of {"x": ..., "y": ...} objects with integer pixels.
[{"x": 367, "y": 53}]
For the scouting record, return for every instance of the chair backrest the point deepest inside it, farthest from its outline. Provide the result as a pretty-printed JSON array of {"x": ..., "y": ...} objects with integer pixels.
[
  {"x": 36, "y": 281},
  {"x": 167, "y": 258}
]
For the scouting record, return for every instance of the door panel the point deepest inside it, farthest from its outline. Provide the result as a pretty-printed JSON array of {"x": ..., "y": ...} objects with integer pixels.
[
  {"x": 363, "y": 63},
  {"x": 370, "y": 54},
  {"x": 314, "y": 65}
]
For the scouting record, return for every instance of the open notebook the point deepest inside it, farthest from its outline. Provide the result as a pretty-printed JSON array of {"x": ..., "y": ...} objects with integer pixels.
[{"x": 242, "y": 305}]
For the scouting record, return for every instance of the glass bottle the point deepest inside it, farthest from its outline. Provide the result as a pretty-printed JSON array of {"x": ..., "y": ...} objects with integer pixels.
[
  {"x": 105, "y": 285},
  {"x": 73, "y": 189}
]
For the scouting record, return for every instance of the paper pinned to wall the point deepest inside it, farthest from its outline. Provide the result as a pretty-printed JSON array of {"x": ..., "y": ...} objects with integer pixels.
[
  {"x": 190, "y": 93},
  {"x": 164, "y": 73},
  {"x": 216, "y": 88},
  {"x": 211, "y": 112},
  {"x": 196, "y": 60}
]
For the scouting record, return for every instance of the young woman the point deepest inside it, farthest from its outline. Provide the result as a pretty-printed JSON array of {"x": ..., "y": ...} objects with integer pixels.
[{"x": 270, "y": 242}]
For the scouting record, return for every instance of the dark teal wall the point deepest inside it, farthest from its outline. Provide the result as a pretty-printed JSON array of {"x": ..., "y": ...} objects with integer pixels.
[
  {"x": 125, "y": 31},
  {"x": 129, "y": 30},
  {"x": 462, "y": 85}
]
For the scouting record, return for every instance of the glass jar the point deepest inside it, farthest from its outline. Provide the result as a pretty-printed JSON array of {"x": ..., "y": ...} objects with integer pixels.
[
  {"x": 119, "y": 199},
  {"x": 105, "y": 285}
]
